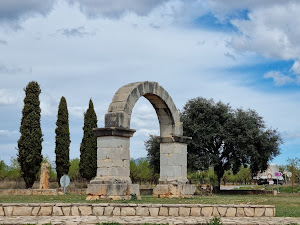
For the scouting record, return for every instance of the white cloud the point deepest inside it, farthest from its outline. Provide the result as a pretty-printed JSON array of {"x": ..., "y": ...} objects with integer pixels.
[
  {"x": 279, "y": 78},
  {"x": 270, "y": 31},
  {"x": 8, "y": 133},
  {"x": 9, "y": 96},
  {"x": 296, "y": 67},
  {"x": 115, "y": 8},
  {"x": 77, "y": 111}
]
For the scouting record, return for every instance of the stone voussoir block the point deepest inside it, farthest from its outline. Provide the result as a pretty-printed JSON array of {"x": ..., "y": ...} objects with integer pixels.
[
  {"x": 45, "y": 211},
  {"x": 127, "y": 211},
  {"x": 142, "y": 211},
  {"x": 57, "y": 211},
  {"x": 207, "y": 211},
  {"x": 173, "y": 211},
  {"x": 116, "y": 211},
  {"x": 258, "y": 212},
  {"x": 75, "y": 211},
  {"x": 249, "y": 212},
  {"x": 184, "y": 211},
  {"x": 195, "y": 211},
  {"x": 240, "y": 212},
  {"x": 154, "y": 211},
  {"x": 108, "y": 211},
  {"x": 231, "y": 212},
  {"x": 85, "y": 210},
  {"x": 163, "y": 211},
  {"x": 270, "y": 212},
  {"x": 22, "y": 211},
  {"x": 66, "y": 210},
  {"x": 98, "y": 211}
]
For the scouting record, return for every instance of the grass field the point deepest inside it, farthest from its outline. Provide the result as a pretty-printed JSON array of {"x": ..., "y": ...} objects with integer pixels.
[{"x": 287, "y": 205}]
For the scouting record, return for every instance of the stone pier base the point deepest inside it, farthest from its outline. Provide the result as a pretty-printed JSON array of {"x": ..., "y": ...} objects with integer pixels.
[
  {"x": 112, "y": 191},
  {"x": 174, "y": 191}
]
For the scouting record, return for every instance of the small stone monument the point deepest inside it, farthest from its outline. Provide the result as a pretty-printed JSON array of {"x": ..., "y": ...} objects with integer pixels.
[{"x": 44, "y": 178}]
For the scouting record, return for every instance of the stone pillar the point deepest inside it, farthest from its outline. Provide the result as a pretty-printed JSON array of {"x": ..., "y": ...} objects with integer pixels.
[
  {"x": 173, "y": 182},
  {"x": 44, "y": 177},
  {"x": 113, "y": 165}
]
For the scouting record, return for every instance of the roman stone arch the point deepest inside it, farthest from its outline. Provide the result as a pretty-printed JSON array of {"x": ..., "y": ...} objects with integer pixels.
[
  {"x": 120, "y": 109},
  {"x": 113, "y": 142}
]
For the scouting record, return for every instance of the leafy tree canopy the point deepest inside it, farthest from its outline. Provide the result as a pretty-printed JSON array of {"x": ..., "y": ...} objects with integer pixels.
[
  {"x": 227, "y": 139},
  {"x": 62, "y": 140},
  {"x": 30, "y": 142},
  {"x": 88, "y": 147}
]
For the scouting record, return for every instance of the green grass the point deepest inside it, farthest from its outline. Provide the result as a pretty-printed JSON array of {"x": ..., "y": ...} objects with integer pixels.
[
  {"x": 282, "y": 188},
  {"x": 287, "y": 205}
]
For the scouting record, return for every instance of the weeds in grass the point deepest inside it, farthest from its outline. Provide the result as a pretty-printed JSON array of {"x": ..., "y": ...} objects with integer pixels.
[{"x": 214, "y": 221}]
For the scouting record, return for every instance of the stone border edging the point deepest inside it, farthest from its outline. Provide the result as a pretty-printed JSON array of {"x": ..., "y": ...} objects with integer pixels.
[{"x": 115, "y": 209}]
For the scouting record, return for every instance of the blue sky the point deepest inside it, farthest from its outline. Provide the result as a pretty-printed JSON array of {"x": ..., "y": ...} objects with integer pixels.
[{"x": 245, "y": 53}]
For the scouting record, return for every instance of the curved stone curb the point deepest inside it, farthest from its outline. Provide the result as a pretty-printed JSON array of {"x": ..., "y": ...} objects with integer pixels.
[{"x": 145, "y": 210}]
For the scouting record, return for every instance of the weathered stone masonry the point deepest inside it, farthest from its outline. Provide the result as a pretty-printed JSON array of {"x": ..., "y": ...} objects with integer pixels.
[
  {"x": 112, "y": 180},
  {"x": 153, "y": 210}
]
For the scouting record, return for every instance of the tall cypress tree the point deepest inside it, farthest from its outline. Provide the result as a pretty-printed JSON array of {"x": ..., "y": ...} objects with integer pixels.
[
  {"x": 88, "y": 147},
  {"x": 62, "y": 140},
  {"x": 30, "y": 142}
]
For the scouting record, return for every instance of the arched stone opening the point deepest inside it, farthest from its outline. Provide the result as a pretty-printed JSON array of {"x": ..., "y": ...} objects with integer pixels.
[{"x": 113, "y": 142}]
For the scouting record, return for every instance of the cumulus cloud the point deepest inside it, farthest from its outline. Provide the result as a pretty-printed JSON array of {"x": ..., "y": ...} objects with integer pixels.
[
  {"x": 13, "y": 11},
  {"x": 115, "y": 8},
  {"x": 270, "y": 31},
  {"x": 279, "y": 78}
]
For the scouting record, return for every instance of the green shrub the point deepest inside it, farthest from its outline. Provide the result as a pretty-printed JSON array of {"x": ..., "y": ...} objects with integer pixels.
[{"x": 214, "y": 221}]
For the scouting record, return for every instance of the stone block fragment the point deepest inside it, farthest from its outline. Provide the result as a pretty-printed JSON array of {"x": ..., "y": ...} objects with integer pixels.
[
  {"x": 127, "y": 211},
  {"x": 45, "y": 211},
  {"x": 1, "y": 211},
  {"x": 57, "y": 211},
  {"x": 258, "y": 212},
  {"x": 230, "y": 212},
  {"x": 249, "y": 212},
  {"x": 240, "y": 212},
  {"x": 85, "y": 210},
  {"x": 98, "y": 211},
  {"x": 184, "y": 211},
  {"x": 195, "y": 211},
  {"x": 74, "y": 211},
  {"x": 8, "y": 210},
  {"x": 173, "y": 211},
  {"x": 142, "y": 211},
  {"x": 66, "y": 211},
  {"x": 116, "y": 211},
  {"x": 163, "y": 211},
  {"x": 270, "y": 212},
  {"x": 22, "y": 211},
  {"x": 222, "y": 211},
  {"x": 108, "y": 211},
  {"x": 207, "y": 211},
  {"x": 216, "y": 212},
  {"x": 153, "y": 211}
]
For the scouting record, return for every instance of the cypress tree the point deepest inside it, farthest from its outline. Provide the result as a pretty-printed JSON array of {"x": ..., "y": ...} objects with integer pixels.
[
  {"x": 62, "y": 140},
  {"x": 30, "y": 142},
  {"x": 88, "y": 147}
]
